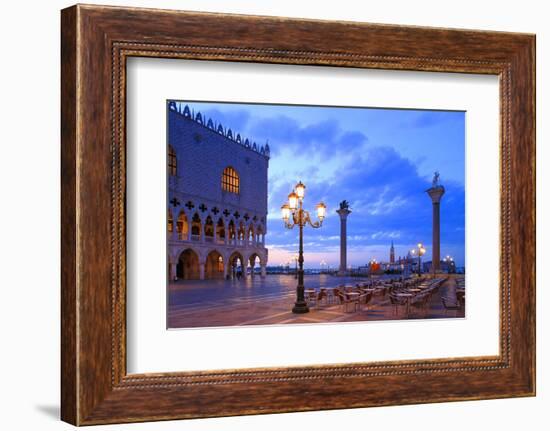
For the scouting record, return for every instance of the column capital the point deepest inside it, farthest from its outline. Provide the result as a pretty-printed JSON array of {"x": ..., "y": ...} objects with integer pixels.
[
  {"x": 436, "y": 193},
  {"x": 343, "y": 213}
]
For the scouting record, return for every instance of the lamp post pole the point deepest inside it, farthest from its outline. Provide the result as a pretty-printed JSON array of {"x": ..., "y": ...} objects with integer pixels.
[
  {"x": 420, "y": 250},
  {"x": 301, "y": 305},
  {"x": 300, "y": 217},
  {"x": 450, "y": 264}
]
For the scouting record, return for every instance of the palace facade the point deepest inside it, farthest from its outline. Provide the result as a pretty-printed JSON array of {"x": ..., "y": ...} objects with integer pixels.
[{"x": 217, "y": 199}]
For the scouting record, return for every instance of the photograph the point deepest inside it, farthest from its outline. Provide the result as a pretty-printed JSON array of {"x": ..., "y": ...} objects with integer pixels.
[{"x": 297, "y": 214}]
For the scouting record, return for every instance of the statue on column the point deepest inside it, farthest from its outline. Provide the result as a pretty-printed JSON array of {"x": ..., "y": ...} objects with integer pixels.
[
  {"x": 344, "y": 205},
  {"x": 435, "y": 180}
]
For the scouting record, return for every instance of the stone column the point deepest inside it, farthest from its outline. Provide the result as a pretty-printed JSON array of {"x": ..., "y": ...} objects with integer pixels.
[
  {"x": 436, "y": 193},
  {"x": 174, "y": 234},
  {"x": 201, "y": 271},
  {"x": 263, "y": 270},
  {"x": 173, "y": 269},
  {"x": 343, "y": 213}
]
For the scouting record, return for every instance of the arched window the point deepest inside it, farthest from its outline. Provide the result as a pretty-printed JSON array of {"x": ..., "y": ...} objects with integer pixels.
[
  {"x": 182, "y": 226},
  {"x": 230, "y": 180},
  {"x": 170, "y": 221},
  {"x": 209, "y": 228},
  {"x": 196, "y": 226},
  {"x": 172, "y": 161},
  {"x": 220, "y": 231}
]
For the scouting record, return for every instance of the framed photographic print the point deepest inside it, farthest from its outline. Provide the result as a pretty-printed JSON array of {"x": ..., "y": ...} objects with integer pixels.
[{"x": 322, "y": 214}]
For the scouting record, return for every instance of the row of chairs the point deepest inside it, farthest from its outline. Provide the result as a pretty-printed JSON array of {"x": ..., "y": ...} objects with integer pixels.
[
  {"x": 405, "y": 297},
  {"x": 350, "y": 299}
]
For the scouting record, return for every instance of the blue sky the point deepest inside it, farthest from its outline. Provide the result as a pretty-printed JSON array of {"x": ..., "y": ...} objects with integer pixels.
[{"x": 380, "y": 160}]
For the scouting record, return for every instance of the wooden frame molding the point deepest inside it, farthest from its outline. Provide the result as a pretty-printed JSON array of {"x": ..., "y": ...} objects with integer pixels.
[{"x": 96, "y": 42}]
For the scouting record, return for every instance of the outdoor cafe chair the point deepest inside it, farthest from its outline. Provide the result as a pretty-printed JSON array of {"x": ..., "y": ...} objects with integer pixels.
[
  {"x": 322, "y": 295},
  {"x": 346, "y": 301},
  {"x": 397, "y": 302},
  {"x": 311, "y": 297}
]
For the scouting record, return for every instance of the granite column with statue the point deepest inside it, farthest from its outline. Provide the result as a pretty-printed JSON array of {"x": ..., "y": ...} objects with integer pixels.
[
  {"x": 436, "y": 192},
  {"x": 343, "y": 212}
]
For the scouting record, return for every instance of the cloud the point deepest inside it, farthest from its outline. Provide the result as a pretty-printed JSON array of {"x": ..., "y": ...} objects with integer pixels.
[
  {"x": 388, "y": 202},
  {"x": 322, "y": 138}
]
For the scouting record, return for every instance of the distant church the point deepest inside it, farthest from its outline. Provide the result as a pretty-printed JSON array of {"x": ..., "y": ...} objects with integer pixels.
[
  {"x": 402, "y": 264},
  {"x": 217, "y": 199}
]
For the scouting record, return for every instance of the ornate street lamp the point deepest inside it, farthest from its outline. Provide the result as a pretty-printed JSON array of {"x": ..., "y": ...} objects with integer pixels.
[
  {"x": 419, "y": 251},
  {"x": 294, "y": 215}
]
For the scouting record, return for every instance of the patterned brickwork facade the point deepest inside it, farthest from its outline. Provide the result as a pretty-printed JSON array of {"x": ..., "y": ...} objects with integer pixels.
[{"x": 214, "y": 232}]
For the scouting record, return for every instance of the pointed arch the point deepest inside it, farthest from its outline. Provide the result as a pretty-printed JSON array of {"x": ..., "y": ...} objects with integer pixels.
[
  {"x": 196, "y": 227},
  {"x": 214, "y": 265},
  {"x": 255, "y": 262},
  {"x": 220, "y": 230},
  {"x": 182, "y": 226},
  {"x": 241, "y": 232},
  {"x": 260, "y": 232},
  {"x": 251, "y": 234},
  {"x": 236, "y": 265},
  {"x": 170, "y": 221},
  {"x": 187, "y": 267},
  {"x": 232, "y": 231},
  {"x": 209, "y": 229}
]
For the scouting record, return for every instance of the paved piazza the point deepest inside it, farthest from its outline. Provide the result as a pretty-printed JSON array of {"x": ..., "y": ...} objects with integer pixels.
[{"x": 257, "y": 301}]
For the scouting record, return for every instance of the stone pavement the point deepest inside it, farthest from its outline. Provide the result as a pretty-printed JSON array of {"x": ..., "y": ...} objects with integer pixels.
[{"x": 275, "y": 309}]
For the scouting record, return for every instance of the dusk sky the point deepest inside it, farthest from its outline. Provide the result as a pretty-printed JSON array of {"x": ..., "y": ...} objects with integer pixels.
[{"x": 380, "y": 160}]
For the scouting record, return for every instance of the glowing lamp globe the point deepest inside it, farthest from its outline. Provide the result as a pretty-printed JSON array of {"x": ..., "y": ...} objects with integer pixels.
[
  {"x": 300, "y": 190},
  {"x": 285, "y": 212},
  {"x": 321, "y": 210},
  {"x": 293, "y": 201}
]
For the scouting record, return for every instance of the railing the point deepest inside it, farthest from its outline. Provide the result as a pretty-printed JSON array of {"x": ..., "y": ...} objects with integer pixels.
[{"x": 195, "y": 237}]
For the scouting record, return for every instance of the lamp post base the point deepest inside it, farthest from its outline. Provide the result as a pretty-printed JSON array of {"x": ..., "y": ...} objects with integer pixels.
[{"x": 300, "y": 307}]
